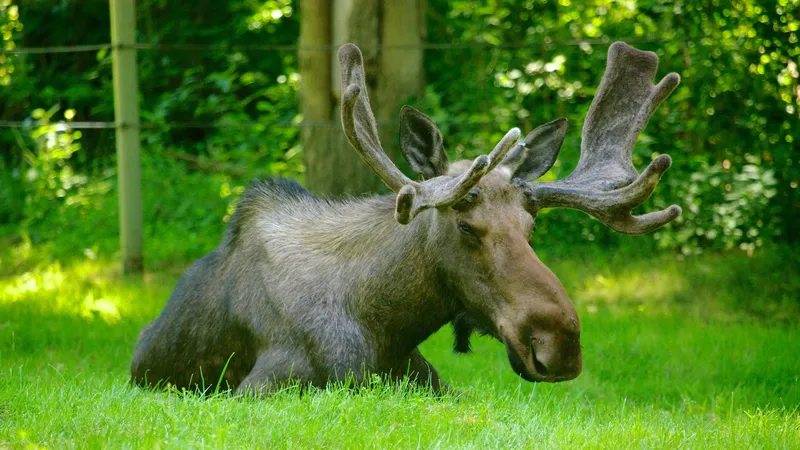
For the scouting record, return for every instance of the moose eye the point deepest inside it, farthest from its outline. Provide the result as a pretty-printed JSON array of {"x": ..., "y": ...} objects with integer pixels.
[{"x": 466, "y": 229}]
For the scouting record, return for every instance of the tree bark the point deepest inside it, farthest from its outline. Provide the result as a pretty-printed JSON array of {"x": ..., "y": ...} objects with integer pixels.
[
  {"x": 389, "y": 34},
  {"x": 401, "y": 75}
]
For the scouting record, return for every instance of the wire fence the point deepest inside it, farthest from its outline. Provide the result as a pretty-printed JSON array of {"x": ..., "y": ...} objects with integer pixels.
[
  {"x": 100, "y": 125},
  {"x": 84, "y": 125},
  {"x": 88, "y": 125},
  {"x": 328, "y": 48},
  {"x": 545, "y": 43}
]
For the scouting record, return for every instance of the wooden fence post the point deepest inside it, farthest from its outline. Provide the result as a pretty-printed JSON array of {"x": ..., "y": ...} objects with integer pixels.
[{"x": 126, "y": 113}]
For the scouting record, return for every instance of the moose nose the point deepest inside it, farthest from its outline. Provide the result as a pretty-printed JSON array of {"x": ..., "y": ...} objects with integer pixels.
[{"x": 557, "y": 359}]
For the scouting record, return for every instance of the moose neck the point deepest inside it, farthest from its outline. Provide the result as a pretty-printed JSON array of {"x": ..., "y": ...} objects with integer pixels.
[{"x": 392, "y": 269}]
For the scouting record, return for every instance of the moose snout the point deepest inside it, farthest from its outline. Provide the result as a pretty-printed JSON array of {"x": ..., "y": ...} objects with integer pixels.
[
  {"x": 557, "y": 357},
  {"x": 546, "y": 356}
]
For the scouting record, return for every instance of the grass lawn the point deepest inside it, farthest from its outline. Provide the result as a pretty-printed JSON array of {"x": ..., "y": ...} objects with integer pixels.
[{"x": 698, "y": 353}]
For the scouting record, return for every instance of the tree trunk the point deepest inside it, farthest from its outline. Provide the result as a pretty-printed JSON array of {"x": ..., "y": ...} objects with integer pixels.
[
  {"x": 389, "y": 34},
  {"x": 401, "y": 75}
]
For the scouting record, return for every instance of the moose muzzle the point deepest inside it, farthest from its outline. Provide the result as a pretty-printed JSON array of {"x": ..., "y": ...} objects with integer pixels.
[
  {"x": 539, "y": 326},
  {"x": 545, "y": 356}
]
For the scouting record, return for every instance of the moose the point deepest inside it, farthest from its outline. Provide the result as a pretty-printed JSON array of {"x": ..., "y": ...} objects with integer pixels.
[{"x": 310, "y": 290}]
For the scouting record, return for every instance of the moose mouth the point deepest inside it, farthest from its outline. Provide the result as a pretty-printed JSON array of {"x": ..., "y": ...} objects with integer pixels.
[
  {"x": 524, "y": 363},
  {"x": 533, "y": 366},
  {"x": 534, "y": 372}
]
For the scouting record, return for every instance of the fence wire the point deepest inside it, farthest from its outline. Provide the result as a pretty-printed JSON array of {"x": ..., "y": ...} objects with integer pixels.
[
  {"x": 235, "y": 126},
  {"x": 545, "y": 43},
  {"x": 328, "y": 48},
  {"x": 88, "y": 125}
]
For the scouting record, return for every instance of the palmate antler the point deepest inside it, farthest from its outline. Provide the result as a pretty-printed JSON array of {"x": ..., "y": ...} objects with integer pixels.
[
  {"x": 360, "y": 128},
  {"x": 605, "y": 183}
]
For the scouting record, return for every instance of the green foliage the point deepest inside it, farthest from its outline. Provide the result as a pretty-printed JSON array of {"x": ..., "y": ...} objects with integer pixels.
[
  {"x": 47, "y": 187},
  {"x": 185, "y": 219},
  {"x": 217, "y": 89},
  {"x": 731, "y": 126},
  {"x": 731, "y": 208},
  {"x": 253, "y": 118},
  {"x": 238, "y": 108},
  {"x": 64, "y": 216},
  {"x": 241, "y": 104},
  {"x": 10, "y": 27}
]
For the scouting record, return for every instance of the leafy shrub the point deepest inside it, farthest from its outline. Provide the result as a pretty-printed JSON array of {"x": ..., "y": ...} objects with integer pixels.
[
  {"x": 724, "y": 208},
  {"x": 246, "y": 119},
  {"x": 10, "y": 27},
  {"x": 47, "y": 184}
]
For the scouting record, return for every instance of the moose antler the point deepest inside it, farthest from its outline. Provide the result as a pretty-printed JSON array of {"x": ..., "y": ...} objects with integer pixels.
[
  {"x": 605, "y": 183},
  {"x": 362, "y": 132}
]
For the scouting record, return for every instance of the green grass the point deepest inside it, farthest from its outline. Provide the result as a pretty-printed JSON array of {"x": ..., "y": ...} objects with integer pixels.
[{"x": 698, "y": 353}]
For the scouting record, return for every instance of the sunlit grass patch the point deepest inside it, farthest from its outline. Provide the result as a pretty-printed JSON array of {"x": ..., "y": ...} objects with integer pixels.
[
  {"x": 88, "y": 288},
  {"x": 644, "y": 290},
  {"x": 76, "y": 290},
  {"x": 30, "y": 283},
  {"x": 728, "y": 287}
]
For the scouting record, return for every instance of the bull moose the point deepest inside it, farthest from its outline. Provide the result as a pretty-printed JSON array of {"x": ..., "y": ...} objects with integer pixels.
[{"x": 310, "y": 290}]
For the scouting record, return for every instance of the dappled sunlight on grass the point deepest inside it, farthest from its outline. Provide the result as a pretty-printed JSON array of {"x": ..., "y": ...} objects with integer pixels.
[
  {"x": 637, "y": 286},
  {"x": 720, "y": 286},
  {"x": 645, "y": 290},
  {"x": 31, "y": 283},
  {"x": 91, "y": 289},
  {"x": 106, "y": 308},
  {"x": 55, "y": 290}
]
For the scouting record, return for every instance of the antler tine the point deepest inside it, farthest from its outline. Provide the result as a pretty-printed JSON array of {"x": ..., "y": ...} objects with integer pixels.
[
  {"x": 360, "y": 128},
  {"x": 446, "y": 191},
  {"x": 622, "y": 106},
  {"x": 605, "y": 183},
  {"x": 359, "y": 122},
  {"x": 611, "y": 207}
]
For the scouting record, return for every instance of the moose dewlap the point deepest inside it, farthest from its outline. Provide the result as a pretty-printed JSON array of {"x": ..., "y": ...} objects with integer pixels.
[{"x": 312, "y": 290}]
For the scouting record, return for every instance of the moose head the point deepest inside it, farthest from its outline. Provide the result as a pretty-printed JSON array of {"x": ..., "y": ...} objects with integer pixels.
[
  {"x": 312, "y": 289},
  {"x": 481, "y": 213}
]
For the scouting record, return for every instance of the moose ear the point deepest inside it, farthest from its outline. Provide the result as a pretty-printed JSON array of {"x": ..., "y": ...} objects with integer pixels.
[
  {"x": 537, "y": 153},
  {"x": 421, "y": 143}
]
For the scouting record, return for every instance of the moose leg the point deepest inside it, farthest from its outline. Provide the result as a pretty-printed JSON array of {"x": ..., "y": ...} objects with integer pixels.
[
  {"x": 421, "y": 372},
  {"x": 275, "y": 367}
]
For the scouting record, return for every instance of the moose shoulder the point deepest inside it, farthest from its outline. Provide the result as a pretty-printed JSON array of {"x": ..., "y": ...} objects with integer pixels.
[{"x": 313, "y": 289}]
